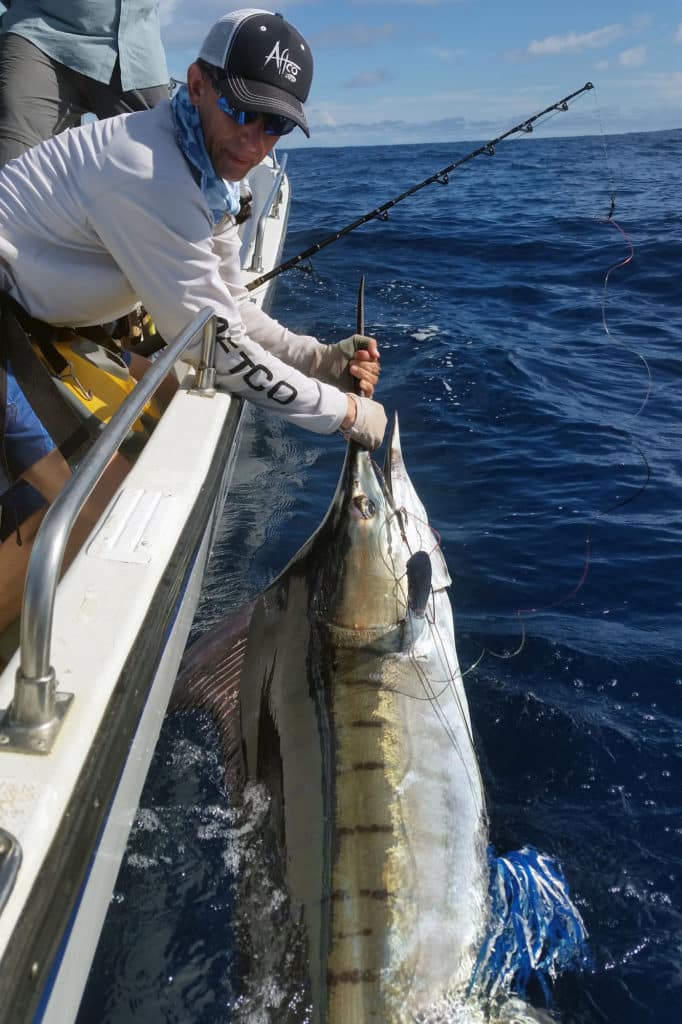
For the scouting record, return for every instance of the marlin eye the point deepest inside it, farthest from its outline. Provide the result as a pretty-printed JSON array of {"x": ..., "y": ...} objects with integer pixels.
[{"x": 365, "y": 506}]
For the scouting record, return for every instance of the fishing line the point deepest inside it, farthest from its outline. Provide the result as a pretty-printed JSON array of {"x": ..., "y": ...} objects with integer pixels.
[
  {"x": 608, "y": 220},
  {"x": 484, "y": 651},
  {"x": 399, "y": 513},
  {"x": 588, "y": 542},
  {"x": 431, "y": 695},
  {"x": 617, "y": 266},
  {"x": 434, "y": 699},
  {"x": 507, "y": 655}
]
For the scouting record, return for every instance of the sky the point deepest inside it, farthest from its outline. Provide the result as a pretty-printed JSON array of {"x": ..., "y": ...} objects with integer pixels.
[{"x": 395, "y": 71}]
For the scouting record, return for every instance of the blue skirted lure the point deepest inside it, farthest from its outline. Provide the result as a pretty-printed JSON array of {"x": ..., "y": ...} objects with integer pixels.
[{"x": 535, "y": 931}]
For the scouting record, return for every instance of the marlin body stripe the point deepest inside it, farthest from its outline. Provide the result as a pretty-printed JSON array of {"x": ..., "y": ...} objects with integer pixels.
[{"x": 351, "y": 710}]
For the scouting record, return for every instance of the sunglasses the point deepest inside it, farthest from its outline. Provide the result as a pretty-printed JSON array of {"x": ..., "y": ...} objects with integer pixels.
[{"x": 273, "y": 124}]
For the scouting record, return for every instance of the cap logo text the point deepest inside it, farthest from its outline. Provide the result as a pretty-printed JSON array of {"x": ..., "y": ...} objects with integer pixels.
[{"x": 285, "y": 67}]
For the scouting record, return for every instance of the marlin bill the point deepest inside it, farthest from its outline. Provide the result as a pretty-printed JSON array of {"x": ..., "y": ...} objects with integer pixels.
[{"x": 339, "y": 691}]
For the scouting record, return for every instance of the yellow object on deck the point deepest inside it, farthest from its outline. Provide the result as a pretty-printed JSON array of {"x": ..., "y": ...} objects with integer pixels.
[{"x": 94, "y": 382}]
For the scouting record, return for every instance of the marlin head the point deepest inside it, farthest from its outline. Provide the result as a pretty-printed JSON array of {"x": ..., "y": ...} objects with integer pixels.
[
  {"x": 358, "y": 584},
  {"x": 377, "y": 554}
]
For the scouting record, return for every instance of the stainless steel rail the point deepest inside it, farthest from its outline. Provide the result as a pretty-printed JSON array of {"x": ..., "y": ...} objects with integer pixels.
[
  {"x": 273, "y": 198},
  {"x": 36, "y": 709}
]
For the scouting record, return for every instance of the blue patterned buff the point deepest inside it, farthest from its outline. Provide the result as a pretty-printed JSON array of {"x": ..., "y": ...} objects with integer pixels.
[{"x": 222, "y": 196}]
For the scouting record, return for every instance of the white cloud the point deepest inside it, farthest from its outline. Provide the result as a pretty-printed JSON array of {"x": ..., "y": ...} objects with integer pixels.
[
  {"x": 322, "y": 117},
  {"x": 664, "y": 86},
  {"x": 642, "y": 21},
  {"x": 353, "y": 35},
  {"x": 575, "y": 42},
  {"x": 167, "y": 10},
  {"x": 405, "y": 3},
  {"x": 185, "y": 25},
  {"x": 444, "y": 54},
  {"x": 678, "y": 36},
  {"x": 633, "y": 58},
  {"x": 368, "y": 79}
]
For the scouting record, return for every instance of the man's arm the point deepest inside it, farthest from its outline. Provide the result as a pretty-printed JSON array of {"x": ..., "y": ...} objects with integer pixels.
[
  {"x": 340, "y": 364},
  {"x": 160, "y": 237}
]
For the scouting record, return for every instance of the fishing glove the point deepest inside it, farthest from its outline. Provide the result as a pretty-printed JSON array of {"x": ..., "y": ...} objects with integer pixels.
[
  {"x": 370, "y": 423},
  {"x": 330, "y": 362}
]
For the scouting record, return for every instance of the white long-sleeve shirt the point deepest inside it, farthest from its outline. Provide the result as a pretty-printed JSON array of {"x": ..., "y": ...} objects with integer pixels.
[{"x": 109, "y": 214}]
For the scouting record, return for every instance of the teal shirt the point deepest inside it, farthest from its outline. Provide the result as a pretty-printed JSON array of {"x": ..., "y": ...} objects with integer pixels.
[{"x": 88, "y": 36}]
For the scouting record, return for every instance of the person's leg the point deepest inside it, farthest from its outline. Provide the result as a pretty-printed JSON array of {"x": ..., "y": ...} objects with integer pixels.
[
  {"x": 31, "y": 455},
  {"x": 17, "y": 503},
  {"x": 149, "y": 97},
  {"x": 107, "y": 100},
  {"x": 138, "y": 366},
  {"x": 49, "y": 476},
  {"x": 13, "y": 563},
  {"x": 35, "y": 97}
]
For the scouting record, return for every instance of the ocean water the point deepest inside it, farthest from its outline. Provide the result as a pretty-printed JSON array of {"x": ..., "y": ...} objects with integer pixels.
[{"x": 541, "y": 424}]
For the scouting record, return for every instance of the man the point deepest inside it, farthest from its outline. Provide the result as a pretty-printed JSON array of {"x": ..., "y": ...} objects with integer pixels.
[
  {"x": 143, "y": 206},
  {"x": 60, "y": 59}
]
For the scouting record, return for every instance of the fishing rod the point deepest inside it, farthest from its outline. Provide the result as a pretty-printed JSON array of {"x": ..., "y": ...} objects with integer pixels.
[{"x": 440, "y": 178}]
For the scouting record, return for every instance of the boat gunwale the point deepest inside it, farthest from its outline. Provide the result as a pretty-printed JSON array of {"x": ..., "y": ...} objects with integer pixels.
[{"x": 32, "y": 954}]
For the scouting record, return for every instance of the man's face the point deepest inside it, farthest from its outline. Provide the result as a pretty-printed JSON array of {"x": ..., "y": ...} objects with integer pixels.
[{"x": 233, "y": 148}]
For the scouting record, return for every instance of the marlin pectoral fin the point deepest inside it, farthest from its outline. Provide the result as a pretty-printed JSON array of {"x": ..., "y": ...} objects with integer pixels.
[
  {"x": 209, "y": 679},
  {"x": 418, "y": 582},
  {"x": 415, "y": 522}
]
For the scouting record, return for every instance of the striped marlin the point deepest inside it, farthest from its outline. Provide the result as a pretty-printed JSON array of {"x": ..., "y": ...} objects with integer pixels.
[{"x": 342, "y": 693}]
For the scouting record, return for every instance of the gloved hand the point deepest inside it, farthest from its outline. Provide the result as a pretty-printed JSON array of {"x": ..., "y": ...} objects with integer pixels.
[
  {"x": 355, "y": 359},
  {"x": 369, "y": 425}
]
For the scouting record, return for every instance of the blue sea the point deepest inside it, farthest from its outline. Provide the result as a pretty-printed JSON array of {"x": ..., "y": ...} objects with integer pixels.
[{"x": 541, "y": 423}]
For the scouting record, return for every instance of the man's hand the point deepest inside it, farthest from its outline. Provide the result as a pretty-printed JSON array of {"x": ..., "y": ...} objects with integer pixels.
[
  {"x": 353, "y": 359},
  {"x": 364, "y": 364}
]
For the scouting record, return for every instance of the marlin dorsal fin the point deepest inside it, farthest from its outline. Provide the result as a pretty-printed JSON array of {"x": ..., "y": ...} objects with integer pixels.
[{"x": 209, "y": 679}]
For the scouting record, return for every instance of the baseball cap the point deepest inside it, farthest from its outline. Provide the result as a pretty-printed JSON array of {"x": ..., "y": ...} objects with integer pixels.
[{"x": 266, "y": 63}]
